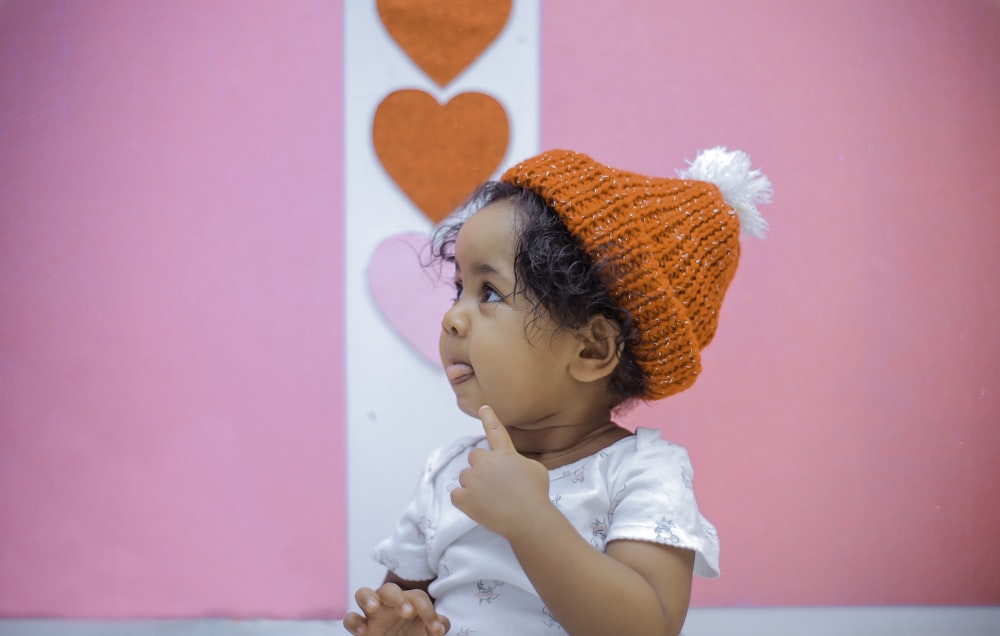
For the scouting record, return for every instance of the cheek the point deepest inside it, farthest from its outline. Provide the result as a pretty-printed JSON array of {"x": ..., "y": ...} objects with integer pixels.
[{"x": 501, "y": 362}]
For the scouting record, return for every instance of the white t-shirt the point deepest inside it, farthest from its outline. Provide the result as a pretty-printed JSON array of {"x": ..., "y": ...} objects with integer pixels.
[{"x": 638, "y": 488}]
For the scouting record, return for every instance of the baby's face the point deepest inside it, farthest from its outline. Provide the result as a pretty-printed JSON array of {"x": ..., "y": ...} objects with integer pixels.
[{"x": 485, "y": 345}]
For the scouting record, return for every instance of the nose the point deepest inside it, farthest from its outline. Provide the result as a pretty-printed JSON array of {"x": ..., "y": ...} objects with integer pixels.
[{"x": 455, "y": 323}]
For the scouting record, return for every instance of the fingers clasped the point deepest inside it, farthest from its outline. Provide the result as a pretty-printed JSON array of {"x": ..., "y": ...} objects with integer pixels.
[{"x": 392, "y": 611}]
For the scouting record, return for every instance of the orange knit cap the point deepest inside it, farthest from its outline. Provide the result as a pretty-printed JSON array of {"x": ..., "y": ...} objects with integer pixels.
[{"x": 668, "y": 247}]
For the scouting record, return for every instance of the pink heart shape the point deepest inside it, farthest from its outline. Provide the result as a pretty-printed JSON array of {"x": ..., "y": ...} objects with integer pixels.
[{"x": 412, "y": 297}]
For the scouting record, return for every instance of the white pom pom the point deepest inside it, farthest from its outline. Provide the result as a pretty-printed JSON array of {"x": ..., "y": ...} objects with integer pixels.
[{"x": 741, "y": 187}]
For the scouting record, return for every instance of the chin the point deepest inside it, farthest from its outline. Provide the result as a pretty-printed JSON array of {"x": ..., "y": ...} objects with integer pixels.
[
  {"x": 467, "y": 406},
  {"x": 471, "y": 412}
]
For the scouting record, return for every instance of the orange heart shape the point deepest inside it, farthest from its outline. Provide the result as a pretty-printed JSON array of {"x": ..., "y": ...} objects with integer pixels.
[
  {"x": 438, "y": 154},
  {"x": 444, "y": 36}
]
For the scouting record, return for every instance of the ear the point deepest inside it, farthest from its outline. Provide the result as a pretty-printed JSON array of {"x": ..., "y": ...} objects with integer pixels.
[{"x": 599, "y": 351}]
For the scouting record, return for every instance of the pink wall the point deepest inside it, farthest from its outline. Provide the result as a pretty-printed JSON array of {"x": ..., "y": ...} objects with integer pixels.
[
  {"x": 171, "y": 391},
  {"x": 845, "y": 431},
  {"x": 171, "y": 337}
]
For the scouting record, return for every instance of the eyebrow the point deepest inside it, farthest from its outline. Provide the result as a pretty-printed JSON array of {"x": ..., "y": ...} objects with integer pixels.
[{"x": 483, "y": 269}]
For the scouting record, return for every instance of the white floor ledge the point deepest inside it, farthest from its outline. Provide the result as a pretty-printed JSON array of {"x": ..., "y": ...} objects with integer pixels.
[
  {"x": 826, "y": 621},
  {"x": 845, "y": 621}
]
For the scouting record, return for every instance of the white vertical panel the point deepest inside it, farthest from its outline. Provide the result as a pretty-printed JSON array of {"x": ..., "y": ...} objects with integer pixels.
[{"x": 398, "y": 406}]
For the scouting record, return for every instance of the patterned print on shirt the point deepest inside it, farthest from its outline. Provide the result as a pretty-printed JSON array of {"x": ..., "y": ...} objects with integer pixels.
[
  {"x": 384, "y": 559},
  {"x": 686, "y": 476},
  {"x": 550, "y": 620},
  {"x": 599, "y": 533},
  {"x": 665, "y": 530},
  {"x": 426, "y": 529},
  {"x": 486, "y": 590},
  {"x": 615, "y": 501},
  {"x": 577, "y": 475}
]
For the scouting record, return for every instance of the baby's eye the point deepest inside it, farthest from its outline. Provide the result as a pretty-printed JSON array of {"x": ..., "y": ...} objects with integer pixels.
[
  {"x": 458, "y": 291},
  {"x": 491, "y": 295}
]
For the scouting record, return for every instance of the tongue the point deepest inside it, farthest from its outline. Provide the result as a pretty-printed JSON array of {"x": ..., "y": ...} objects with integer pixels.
[{"x": 457, "y": 371}]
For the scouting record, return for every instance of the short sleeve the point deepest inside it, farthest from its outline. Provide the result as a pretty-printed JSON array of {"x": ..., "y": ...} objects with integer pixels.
[
  {"x": 653, "y": 500},
  {"x": 406, "y": 552}
]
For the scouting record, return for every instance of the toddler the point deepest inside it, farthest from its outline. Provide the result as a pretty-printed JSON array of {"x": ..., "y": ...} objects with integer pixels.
[{"x": 580, "y": 289}]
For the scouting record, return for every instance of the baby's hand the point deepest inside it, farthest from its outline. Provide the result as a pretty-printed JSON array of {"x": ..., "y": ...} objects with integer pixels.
[
  {"x": 501, "y": 487},
  {"x": 392, "y": 611}
]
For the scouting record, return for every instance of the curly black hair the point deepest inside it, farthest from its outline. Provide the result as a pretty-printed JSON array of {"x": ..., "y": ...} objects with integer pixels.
[{"x": 559, "y": 276}]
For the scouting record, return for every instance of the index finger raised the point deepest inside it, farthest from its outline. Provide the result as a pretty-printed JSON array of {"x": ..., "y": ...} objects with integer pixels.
[{"x": 496, "y": 433}]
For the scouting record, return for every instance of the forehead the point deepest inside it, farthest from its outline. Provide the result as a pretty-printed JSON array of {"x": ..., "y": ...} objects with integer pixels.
[{"x": 490, "y": 233}]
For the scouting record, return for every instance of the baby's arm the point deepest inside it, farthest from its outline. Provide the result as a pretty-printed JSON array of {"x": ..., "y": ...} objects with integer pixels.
[
  {"x": 632, "y": 588},
  {"x": 398, "y": 608}
]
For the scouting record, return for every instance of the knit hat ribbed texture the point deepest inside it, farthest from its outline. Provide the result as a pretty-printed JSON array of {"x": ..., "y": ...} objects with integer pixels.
[{"x": 668, "y": 247}]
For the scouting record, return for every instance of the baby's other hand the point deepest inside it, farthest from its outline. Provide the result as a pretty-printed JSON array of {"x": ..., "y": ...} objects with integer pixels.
[{"x": 393, "y": 611}]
